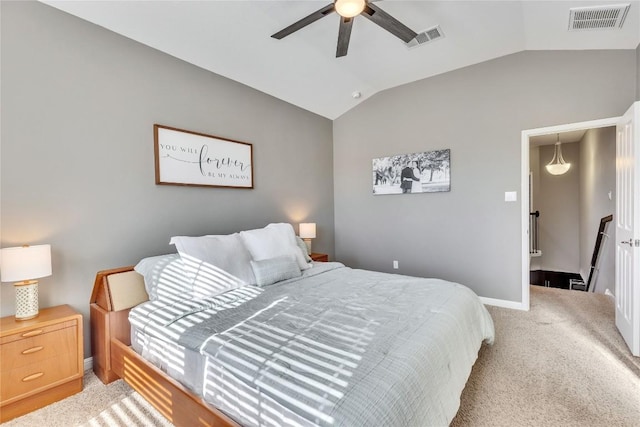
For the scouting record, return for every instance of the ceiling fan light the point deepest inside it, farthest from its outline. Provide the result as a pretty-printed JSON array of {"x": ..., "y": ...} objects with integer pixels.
[{"x": 349, "y": 8}]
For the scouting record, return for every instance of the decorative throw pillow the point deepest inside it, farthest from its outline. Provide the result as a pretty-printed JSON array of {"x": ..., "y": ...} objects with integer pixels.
[
  {"x": 303, "y": 247},
  {"x": 272, "y": 241},
  {"x": 272, "y": 270},
  {"x": 215, "y": 264},
  {"x": 165, "y": 278}
]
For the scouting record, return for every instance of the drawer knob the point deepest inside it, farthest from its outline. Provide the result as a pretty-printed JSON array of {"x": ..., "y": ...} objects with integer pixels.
[
  {"x": 32, "y": 333},
  {"x": 32, "y": 350},
  {"x": 32, "y": 377}
]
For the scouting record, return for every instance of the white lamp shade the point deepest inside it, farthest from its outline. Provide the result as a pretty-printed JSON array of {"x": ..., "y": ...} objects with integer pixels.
[
  {"x": 308, "y": 230},
  {"x": 349, "y": 8},
  {"x": 25, "y": 263},
  {"x": 558, "y": 168}
]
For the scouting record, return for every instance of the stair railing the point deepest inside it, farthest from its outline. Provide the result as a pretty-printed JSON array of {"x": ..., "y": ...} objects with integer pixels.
[{"x": 534, "y": 232}]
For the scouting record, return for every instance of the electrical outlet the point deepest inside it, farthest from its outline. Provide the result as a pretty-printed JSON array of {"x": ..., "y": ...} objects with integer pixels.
[{"x": 395, "y": 265}]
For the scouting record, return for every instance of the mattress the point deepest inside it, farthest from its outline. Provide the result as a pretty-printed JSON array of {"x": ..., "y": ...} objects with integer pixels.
[
  {"x": 337, "y": 346},
  {"x": 181, "y": 364}
]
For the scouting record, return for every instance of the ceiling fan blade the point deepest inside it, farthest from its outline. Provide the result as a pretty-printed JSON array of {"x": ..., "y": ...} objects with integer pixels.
[
  {"x": 388, "y": 22},
  {"x": 305, "y": 21},
  {"x": 344, "y": 35}
]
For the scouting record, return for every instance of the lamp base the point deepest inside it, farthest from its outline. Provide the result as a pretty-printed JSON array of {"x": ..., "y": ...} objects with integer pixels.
[
  {"x": 26, "y": 299},
  {"x": 308, "y": 243}
]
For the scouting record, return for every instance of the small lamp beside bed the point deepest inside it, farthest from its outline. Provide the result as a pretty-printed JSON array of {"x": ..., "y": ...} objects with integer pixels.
[
  {"x": 23, "y": 265},
  {"x": 308, "y": 232}
]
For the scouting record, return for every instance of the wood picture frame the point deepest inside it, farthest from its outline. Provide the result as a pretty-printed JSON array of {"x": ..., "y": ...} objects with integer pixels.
[
  {"x": 195, "y": 159},
  {"x": 593, "y": 269}
]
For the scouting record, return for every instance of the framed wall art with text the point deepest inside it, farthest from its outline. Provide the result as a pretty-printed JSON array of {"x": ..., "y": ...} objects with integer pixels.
[{"x": 190, "y": 158}]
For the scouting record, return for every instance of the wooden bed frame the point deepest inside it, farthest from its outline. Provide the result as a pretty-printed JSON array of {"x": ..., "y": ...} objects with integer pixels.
[{"x": 115, "y": 292}]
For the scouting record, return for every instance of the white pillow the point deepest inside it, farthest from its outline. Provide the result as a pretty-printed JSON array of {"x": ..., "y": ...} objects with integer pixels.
[
  {"x": 272, "y": 241},
  {"x": 303, "y": 247},
  {"x": 272, "y": 270},
  {"x": 216, "y": 264},
  {"x": 165, "y": 278}
]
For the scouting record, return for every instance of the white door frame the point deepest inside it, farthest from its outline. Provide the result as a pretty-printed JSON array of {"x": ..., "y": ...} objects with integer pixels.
[{"x": 524, "y": 187}]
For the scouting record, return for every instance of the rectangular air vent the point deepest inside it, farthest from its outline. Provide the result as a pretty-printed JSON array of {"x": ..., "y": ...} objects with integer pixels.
[
  {"x": 425, "y": 36},
  {"x": 598, "y": 17}
]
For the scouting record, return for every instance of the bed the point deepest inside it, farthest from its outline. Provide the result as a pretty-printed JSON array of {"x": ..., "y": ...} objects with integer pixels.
[{"x": 323, "y": 345}]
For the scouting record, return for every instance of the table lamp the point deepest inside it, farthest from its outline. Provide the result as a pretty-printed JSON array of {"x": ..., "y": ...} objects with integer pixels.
[
  {"x": 23, "y": 265},
  {"x": 308, "y": 232}
]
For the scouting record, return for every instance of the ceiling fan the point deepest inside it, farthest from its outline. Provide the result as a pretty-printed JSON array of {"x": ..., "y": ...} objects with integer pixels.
[{"x": 348, "y": 10}]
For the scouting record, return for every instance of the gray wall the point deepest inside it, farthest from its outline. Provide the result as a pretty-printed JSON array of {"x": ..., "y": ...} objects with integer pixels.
[
  {"x": 470, "y": 235},
  {"x": 597, "y": 179},
  {"x": 559, "y": 204},
  {"x": 78, "y": 108}
]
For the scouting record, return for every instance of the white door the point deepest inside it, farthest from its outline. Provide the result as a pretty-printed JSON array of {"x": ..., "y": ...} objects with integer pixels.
[{"x": 627, "y": 288}]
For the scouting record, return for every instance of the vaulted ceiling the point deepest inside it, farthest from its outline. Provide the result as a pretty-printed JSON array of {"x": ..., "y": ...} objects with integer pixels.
[{"x": 232, "y": 38}]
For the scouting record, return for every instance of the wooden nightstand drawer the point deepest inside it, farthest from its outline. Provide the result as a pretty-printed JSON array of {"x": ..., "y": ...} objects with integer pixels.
[
  {"x": 40, "y": 360},
  {"x": 34, "y": 332},
  {"x": 40, "y": 347},
  {"x": 318, "y": 257},
  {"x": 33, "y": 377}
]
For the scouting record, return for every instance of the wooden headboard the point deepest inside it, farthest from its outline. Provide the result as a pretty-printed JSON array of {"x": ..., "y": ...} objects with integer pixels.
[{"x": 114, "y": 293}]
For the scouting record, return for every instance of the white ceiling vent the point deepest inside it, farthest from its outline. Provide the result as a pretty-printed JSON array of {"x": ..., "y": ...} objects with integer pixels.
[
  {"x": 598, "y": 17},
  {"x": 429, "y": 35}
]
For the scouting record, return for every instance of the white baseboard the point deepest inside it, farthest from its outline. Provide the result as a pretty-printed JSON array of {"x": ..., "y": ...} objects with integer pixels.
[
  {"x": 608, "y": 292},
  {"x": 514, "y": 305},
  {"x": 88, "y": 363}
]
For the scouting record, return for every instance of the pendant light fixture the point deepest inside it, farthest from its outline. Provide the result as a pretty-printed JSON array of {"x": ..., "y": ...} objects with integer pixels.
[{"x": 557, "y": 165}]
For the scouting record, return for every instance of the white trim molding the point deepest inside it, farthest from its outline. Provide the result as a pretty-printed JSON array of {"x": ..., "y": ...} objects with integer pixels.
[
  {"x": 514, "y": 305},
  {"x": 88, "y": 363}
]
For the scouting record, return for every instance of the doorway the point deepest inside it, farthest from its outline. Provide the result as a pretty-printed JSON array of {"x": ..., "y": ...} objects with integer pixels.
[
  {"x": 527, "y": 135},
  {"x": 568, "y": 208}
]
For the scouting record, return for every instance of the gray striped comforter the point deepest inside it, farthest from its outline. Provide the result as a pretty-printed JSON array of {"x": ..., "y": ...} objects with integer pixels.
[{"x": 336, "y": 347}]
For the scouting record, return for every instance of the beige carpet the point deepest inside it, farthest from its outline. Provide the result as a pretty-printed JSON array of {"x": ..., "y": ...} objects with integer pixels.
[{"x": 561, "y": 364}]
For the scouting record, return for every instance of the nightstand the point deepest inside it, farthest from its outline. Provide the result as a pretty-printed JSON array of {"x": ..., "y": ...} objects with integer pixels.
[
  {"x": 40, "y": 360},
  {"x": 319, "y": 257}
]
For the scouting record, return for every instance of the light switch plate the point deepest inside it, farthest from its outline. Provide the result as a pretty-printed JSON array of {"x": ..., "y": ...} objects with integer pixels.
[{"x": 510, "y": 196}]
